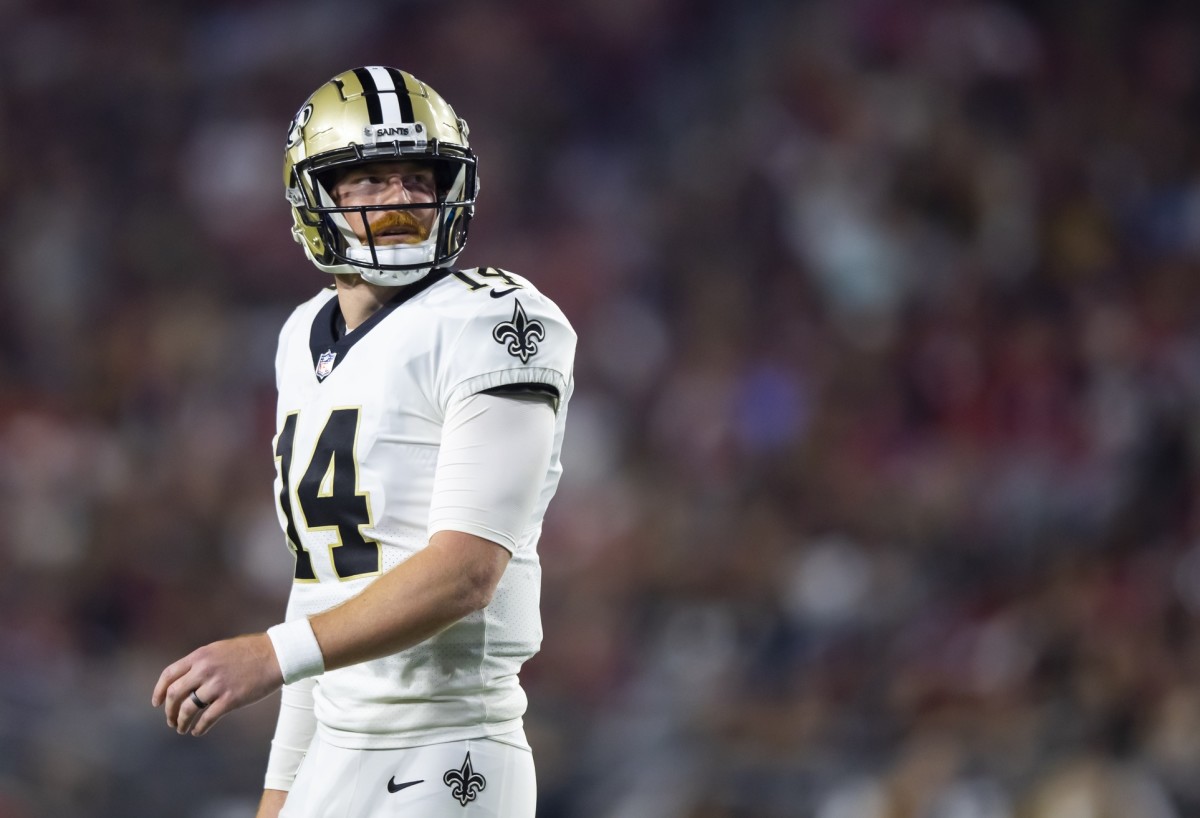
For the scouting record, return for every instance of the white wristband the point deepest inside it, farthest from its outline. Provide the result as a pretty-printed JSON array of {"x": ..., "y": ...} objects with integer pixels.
[{"x": 296, "y": 649}]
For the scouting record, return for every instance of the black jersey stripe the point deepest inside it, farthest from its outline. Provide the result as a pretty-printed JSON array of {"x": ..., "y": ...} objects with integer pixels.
[{"x": 370, "y": 95}]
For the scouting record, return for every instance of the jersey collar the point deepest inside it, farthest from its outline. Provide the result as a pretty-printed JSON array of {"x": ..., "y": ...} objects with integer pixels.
[{"x": 328, "y": 341}]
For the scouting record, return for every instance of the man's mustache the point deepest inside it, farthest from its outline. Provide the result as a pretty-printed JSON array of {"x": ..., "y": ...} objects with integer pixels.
[{"x": 402, "y": 219}]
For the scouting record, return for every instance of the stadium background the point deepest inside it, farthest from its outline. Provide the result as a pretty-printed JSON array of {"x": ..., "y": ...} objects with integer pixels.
[{"x": 881, "y": 481}]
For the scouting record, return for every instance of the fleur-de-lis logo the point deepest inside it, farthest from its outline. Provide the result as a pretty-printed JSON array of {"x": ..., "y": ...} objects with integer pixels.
[
  {"x": 464, "y": 783},
  {"x": 296, "y": 129},
  {"x": 520, "y": 335}
]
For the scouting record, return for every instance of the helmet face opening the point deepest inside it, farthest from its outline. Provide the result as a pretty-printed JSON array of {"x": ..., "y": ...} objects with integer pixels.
[{"x": 373, "y": 115}]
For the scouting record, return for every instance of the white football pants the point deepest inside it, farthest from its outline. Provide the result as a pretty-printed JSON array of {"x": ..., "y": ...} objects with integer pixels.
[{"x": 476, "y": 778}]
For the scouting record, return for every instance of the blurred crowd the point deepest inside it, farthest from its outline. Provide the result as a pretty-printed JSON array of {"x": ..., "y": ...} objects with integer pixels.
[{"x": 881, "y": 473}]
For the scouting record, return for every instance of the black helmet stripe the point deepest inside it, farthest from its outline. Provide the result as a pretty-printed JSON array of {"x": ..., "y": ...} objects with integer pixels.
[
  {"x": 386, "y": 95},
  {"x": 370, "y": 95},
  {"x": 406, "y": 109}
]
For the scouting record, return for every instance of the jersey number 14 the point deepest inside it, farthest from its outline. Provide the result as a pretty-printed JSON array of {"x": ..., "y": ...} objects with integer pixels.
[{"x": 328, "y": 497}]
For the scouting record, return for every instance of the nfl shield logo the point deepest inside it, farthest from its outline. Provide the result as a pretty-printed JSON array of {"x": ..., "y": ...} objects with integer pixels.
[{"x": 325, "y": 364}]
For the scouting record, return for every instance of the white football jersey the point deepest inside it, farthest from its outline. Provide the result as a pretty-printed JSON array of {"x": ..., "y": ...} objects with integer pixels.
[{"x": 359, "y": 424}]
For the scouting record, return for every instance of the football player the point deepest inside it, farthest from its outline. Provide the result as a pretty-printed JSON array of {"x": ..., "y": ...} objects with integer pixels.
[{"x": 420, "y": 419}]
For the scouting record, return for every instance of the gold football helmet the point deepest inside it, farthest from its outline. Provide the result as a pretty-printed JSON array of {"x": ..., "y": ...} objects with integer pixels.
[{"x": 365, "y": 115}]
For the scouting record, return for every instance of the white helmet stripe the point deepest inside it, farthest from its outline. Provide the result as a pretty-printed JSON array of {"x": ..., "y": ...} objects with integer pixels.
[{"x": 389, "y": 103}]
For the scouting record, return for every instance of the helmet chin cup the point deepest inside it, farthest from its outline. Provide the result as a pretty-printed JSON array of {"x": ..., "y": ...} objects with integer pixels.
[
  {"x": 391, "y": 278},
  {"x": 393, "y": 265}
]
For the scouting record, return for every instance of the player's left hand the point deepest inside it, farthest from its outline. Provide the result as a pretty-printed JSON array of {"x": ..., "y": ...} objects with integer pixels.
[{"x": 220, "y": 677}]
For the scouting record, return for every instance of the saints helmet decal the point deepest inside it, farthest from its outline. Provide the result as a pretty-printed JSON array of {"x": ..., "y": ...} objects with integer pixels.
[{"x": 367, "y": 115}]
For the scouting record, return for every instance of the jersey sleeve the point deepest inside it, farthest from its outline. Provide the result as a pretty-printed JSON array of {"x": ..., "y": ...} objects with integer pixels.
[
  {"x": 281, "y": 349},
  {"x": 522, "y": 338}
]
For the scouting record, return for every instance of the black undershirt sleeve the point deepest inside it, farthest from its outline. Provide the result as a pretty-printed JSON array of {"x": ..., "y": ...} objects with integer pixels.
[{"x": 527, "y": 390}]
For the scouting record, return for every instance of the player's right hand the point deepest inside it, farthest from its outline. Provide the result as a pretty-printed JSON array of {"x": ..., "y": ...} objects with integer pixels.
[{"x": 223, "y": 675}]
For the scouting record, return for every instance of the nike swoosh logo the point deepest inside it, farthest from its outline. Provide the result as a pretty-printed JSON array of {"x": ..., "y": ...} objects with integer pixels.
[
  {"x": 394, "y": 787},
  {"x": 502, "y": 293}
]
